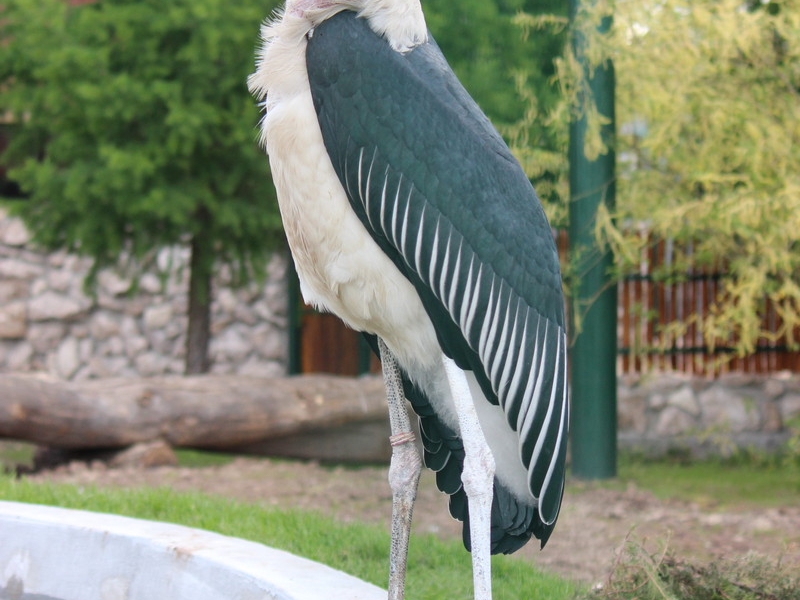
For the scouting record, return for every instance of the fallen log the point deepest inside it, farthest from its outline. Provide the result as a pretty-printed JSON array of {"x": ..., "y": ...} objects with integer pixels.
[{"x": 208, "y": 412}]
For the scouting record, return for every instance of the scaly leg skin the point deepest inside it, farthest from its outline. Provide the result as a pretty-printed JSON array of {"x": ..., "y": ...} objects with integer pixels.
[
  {"x": 477, "y": 477},
  {"x": 404, "y": 472}
]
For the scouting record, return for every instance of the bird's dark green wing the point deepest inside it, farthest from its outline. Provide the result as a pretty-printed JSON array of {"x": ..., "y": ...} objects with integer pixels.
[{"x": 439, "y": 191}]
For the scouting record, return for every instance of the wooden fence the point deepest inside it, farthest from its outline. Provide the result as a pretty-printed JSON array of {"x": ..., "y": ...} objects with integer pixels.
[{"x": 646, "y": 306}]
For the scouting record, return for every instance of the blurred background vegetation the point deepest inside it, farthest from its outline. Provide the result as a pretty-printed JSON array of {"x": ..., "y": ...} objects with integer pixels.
[{"x": 708, "y": 148}]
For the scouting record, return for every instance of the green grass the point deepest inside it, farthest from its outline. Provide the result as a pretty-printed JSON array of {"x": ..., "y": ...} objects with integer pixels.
[
  {"x": 436, "y": 569},
  {"x": 13, "y": 454},
  {"x": 202, "y": 458},
  {"x": 743, "y": 481}
]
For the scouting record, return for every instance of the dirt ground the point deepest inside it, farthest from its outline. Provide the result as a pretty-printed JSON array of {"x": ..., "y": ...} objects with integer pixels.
[{"x": 593, "y": 526}]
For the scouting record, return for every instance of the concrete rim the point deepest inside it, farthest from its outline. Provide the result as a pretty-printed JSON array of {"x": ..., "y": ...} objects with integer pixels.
[{"x": 49, "y": 553}]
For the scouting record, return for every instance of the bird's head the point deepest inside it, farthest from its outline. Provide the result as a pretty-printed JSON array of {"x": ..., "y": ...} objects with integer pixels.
[{"x": 400, "y": 22}]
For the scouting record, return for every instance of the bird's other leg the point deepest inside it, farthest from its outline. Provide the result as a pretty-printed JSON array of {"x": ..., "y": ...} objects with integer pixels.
[
  {"x": 404, "y": 472},
  {"x": 477, "y": 477}
]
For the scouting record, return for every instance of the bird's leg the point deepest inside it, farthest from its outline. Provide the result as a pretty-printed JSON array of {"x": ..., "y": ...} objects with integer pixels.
[
  {"x": 477, "y": 477},
  {"x": 404, "y": 472}
]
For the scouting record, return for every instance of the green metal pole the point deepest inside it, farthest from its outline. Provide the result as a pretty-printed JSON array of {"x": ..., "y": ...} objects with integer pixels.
[{"x": 594, "y": 295}]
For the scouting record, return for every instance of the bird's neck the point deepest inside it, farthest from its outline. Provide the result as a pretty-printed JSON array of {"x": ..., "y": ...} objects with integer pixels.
[{"x": 400, "y": 22}]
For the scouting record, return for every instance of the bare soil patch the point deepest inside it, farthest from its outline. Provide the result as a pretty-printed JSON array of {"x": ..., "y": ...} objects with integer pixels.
[{"x": 594, "y": 523}]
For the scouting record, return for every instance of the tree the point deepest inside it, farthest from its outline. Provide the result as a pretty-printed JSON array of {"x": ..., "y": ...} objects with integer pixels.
[
  {"x": 709, "y": 149},
  {"x": 134, "y": 130}
]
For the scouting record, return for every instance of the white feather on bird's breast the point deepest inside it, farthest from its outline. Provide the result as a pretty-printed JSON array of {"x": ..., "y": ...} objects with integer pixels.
[{"x": 341, "y": 269}]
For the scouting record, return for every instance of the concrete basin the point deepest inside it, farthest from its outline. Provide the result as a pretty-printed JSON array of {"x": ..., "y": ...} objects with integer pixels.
[{"x": 51, "y": 553}]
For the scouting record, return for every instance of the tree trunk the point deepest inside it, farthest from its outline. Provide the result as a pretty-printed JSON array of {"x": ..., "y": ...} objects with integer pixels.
[
  {"x": 199, "y": 328},
  {"x": 210, "y": 411}
]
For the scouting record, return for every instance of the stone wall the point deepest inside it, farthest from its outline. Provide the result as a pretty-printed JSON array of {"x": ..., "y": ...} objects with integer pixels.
[
  {"x": 48, "y": 323},
  {"x": 670, "y": 410}
]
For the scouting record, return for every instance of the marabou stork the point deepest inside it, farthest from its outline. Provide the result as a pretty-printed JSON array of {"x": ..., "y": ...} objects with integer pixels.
[{"x": 408, "y": 217}]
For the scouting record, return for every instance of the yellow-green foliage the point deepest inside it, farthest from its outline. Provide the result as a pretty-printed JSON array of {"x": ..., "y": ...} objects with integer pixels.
[{"x": 708, "y": 146}]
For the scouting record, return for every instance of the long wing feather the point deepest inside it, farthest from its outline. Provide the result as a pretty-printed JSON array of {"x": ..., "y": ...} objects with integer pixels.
[{"x": 439, "y": 191}]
